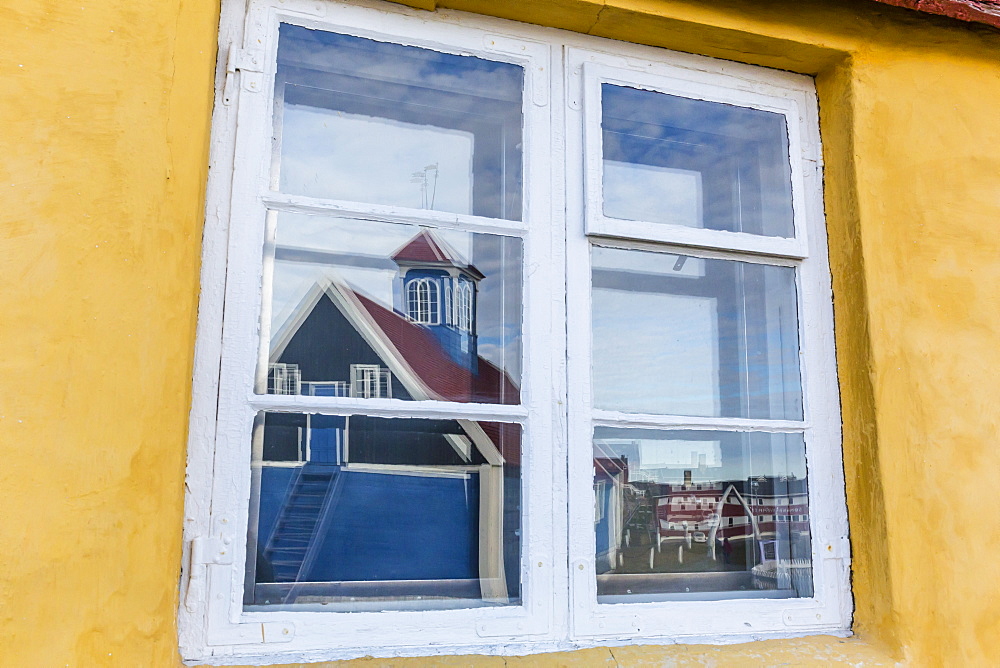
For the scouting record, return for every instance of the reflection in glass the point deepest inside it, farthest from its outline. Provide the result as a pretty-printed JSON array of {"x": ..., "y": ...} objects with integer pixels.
[
  {"x": 681, "y": 161},
  {"x": 674, "y": 334},
  {"x": 369, "y": 121},
  {"x": 687, "y": 514},
  {"x": 381, "y": 310},
  {"x": 361, "y": 513}
]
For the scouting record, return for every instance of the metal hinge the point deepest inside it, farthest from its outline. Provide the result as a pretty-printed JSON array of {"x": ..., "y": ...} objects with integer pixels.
[
  {"x": 204, "y": 551},
  {"x": 211, "y": 550},
  {"x": 208, "y": 583},
  {"x": 245, "y": 61}
]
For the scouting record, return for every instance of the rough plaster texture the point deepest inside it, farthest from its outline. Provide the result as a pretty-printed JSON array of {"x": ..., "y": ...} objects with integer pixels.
[{"x": 103, "y": 157}]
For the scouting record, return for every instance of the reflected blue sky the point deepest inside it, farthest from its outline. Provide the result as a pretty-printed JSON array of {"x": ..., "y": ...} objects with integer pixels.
[{"x": 695, "y": 163}]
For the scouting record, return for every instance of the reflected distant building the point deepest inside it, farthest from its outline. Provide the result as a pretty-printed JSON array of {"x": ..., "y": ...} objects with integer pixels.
[
  {"x": 743, "y": 522},
  {"x": 763, "y": 509}
]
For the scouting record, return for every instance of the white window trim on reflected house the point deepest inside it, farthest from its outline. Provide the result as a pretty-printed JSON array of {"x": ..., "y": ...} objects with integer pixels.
[
  {"x": 558, "y": 608},
  {"x": 370, "y": 381}
]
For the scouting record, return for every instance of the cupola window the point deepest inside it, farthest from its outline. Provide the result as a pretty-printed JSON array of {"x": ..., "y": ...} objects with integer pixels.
[
  {"x": 422, "y": 301},
  {"x": 463, "y": 305}
]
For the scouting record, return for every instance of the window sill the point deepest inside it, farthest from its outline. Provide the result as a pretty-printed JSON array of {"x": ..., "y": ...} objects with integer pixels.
[{"x": 806, "y": 651}]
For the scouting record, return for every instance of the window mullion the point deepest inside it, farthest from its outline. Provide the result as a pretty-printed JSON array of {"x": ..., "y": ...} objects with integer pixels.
[
  {"x": 387, "y": 407},
  {"x": 607, "y": 418},
  {"x": 393, "y": 214}
]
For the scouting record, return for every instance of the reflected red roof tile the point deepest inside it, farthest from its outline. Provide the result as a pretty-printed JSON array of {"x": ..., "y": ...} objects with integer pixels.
[
  {"x": 423, "y": 248},
  {"x": 426, "y": 248}
]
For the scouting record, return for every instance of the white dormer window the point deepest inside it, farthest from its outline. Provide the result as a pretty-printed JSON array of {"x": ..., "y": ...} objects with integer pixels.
[
  {"x": 422, "y": 301},
  {"x": 284, "y": 379}
]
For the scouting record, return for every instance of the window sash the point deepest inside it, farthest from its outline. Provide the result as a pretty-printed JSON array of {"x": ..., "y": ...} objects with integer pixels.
[
  {"x": 226, "y": 621},
  {"x": 794, "y": 97},
  {"x": 768, "y": 92}
]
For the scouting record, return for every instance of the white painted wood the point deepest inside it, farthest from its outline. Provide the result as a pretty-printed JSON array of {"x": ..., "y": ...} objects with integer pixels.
[
  {"x": 619, "y": 419},
  {"x": 694, "y": 251},
  {"x": 389, "y": 408},
  {"x": 678, "y": 235},
  {"x": 559, "y": 609},
  {"x": 392, "y": 214}
]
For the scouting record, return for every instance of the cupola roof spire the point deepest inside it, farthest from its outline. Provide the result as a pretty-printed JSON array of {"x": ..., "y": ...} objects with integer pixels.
[{"x": 428, "y": 249}]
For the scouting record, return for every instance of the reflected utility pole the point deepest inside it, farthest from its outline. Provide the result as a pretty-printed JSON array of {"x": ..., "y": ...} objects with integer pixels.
[{"x": 426, "y": 187}]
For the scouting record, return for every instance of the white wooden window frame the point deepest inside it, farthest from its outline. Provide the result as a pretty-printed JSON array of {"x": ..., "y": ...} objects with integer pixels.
[
  {"x": 558, "y": 608},
  {"x": 239, "y": 225},
  {"x": 793, "y": 96}
]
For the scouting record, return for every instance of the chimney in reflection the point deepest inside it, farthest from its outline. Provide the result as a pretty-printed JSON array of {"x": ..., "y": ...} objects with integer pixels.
[{"x": 687, "y": 478}]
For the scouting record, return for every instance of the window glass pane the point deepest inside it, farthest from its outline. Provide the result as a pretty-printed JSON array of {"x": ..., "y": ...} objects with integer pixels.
[
  {"x": 381, "y": 310},
  {"x": 680, "y": 161},
  {"x": 369, "y": 121},
  {"x": 700, "y": 515},
  {"x": 361, "y": 513},
  {"x": 674, "y": 334}
]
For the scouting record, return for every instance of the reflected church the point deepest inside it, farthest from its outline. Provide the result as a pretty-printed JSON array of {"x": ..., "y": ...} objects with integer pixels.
[{"x": 348, "y": 508}]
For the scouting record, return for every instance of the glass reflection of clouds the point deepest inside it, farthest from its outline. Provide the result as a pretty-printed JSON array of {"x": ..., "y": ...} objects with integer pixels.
[
  {"x": 666, "y": 355},
  {"x": 331, "y": 154},
  {"x": 681, "y": 161},
  {"x": 652, "y": 193},
  {"x": 664, "y": 455},
  {"x": 674, "y": 334},
  {"x": 369, "y": 121}
]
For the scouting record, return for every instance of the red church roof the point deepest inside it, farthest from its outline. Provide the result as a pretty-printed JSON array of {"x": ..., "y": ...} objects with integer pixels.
[
  {"x": 441, "y": 374},
  {"x": 447, "y": 379}
]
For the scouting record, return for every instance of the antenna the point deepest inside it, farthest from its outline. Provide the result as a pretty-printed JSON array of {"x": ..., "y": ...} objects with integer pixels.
[{"x": 422, "y": 178}]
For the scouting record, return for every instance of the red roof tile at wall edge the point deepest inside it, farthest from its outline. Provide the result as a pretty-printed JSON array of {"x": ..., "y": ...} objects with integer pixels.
[{"x": 986, "y": 12}]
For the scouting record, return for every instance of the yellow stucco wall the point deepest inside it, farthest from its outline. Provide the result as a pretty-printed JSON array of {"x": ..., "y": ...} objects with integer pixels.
[{"x": 104, "y": 112}]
